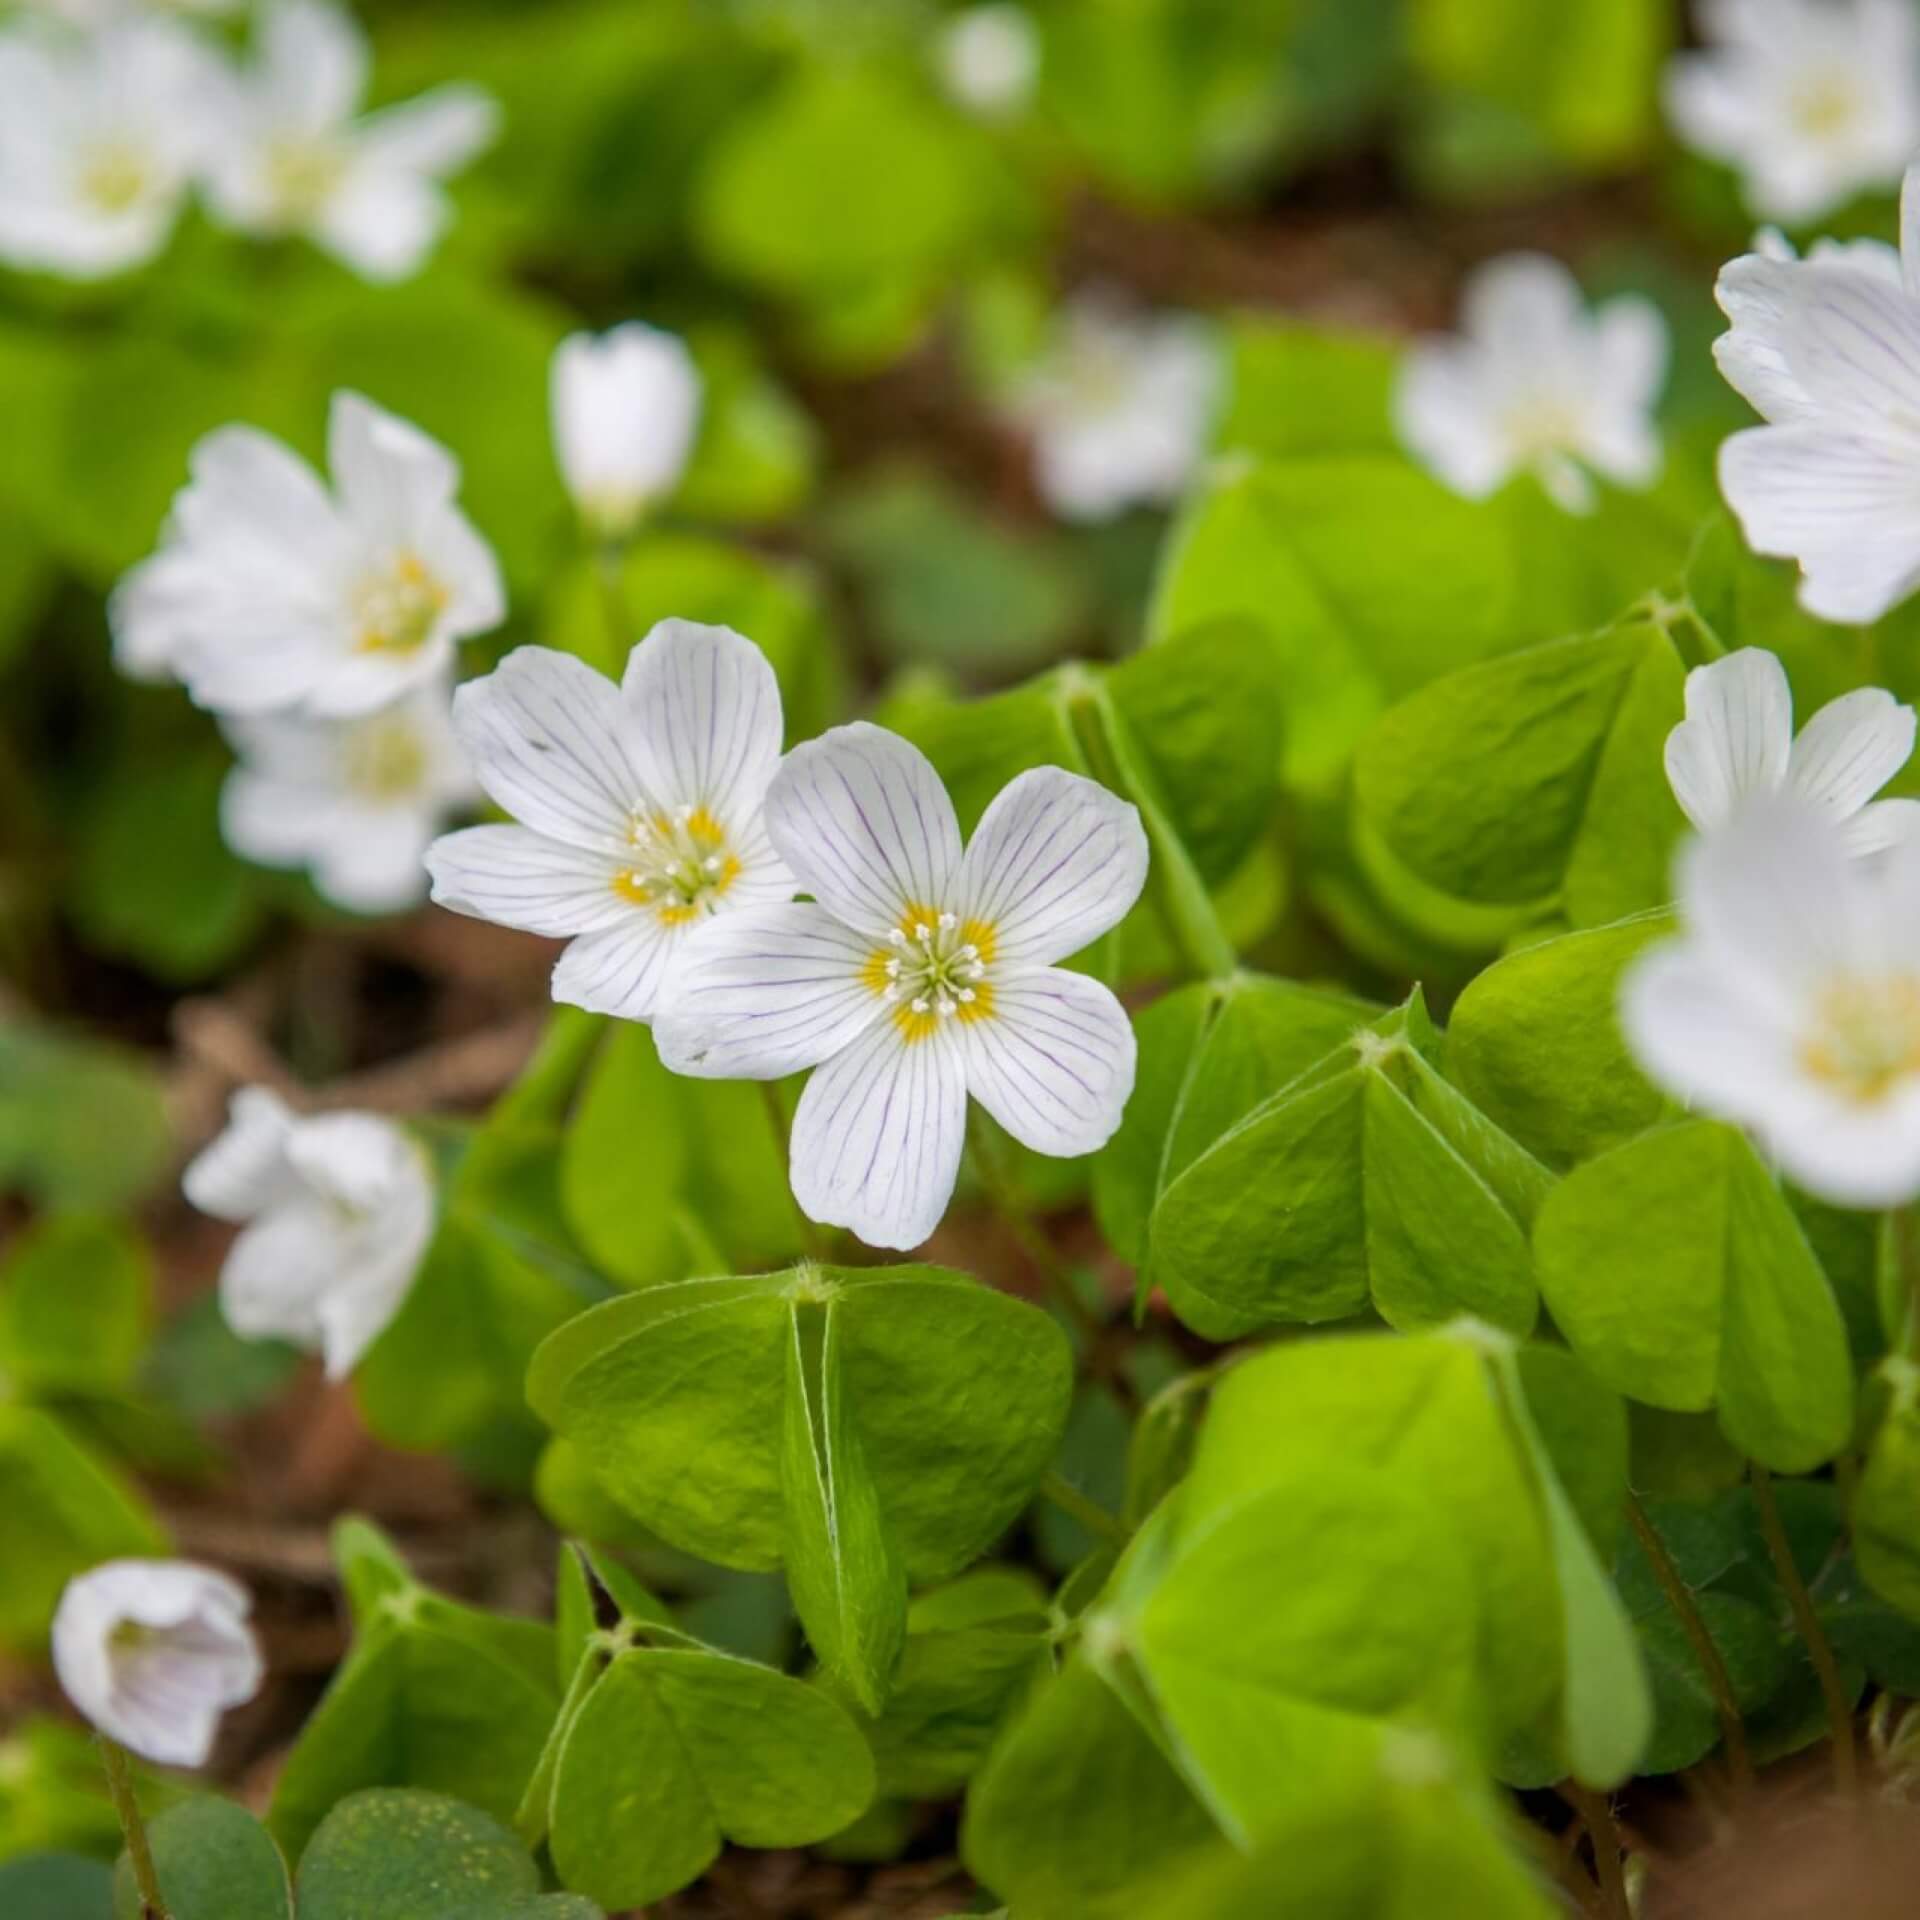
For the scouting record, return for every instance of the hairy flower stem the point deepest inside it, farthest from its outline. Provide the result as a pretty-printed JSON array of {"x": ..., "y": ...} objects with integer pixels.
[
  {"x": 1819, "y": 1648},
  {"x": 1077, "y": 1506},
  {"x": 609, "y": 559},
  {"x": 133, "y": 1826},
  {"x": 1604, "y": 1837},
  {"x": 1733, "y": 1732},
  {"x": 812, "y": 1240}
]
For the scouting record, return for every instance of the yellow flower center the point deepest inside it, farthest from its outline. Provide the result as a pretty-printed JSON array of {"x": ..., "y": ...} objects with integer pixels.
[
  {"x": 396, "y": 611},
  {"x": 385, "y": 758},
  {"x": 933, "y": 968},
  {"x": 1865, "y": 1037},
  {"x": 681, "y": 864},
  {"x": 302, "y": 175},
  {"x": 1827, "y": 104},
  {"x": 115, "y": 177}
]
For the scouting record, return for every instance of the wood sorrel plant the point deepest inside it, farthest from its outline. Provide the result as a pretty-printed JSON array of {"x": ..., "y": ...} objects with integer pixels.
[{"x": 1205, "y": 1205}]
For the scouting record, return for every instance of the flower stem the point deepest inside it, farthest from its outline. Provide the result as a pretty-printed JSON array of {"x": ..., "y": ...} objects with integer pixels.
[
  {"x": 1733, "y": 1732},
  {"x": 1819, "y": 1648},
  {"x": 609, "y": 558},
  {"x": 133, "y": 1826},
  {"x": 1604, "y": 1836},
  {"x": 1077, "y": 1506},
  {"x": 813, "y": 1242}
]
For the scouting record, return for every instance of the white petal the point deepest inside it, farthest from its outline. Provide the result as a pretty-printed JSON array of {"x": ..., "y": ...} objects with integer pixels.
[
  {"x": 1736, "y": 738},
  {"x": 375, "y": 862},
  {"x": 862, "y": 822},
  {"x": 387, "y": 472},
  {"x": 1052, "y": 1061},
  {"x": 1884, "y": 825},
  {"x": 1851, "y": 748},
  {"x": 382, "y": 222},
  {"x": 703, "y": 720},
  {"x": 1055, "y": 862},
  {"x": 1523, "y": 306},
  {"x": 766, "y": 992},
  {"x": 1845, "y": 507},
  {"x": 314, "y": 62},
  {"x": 625, "y": 407},
  {"x": 544, "y": 734},
  {"x": 245, "y": 1169},
  {"x": 1443, "y": 414},
  {"x": 878, "y": 1134},
  {"x": 619, "y": 970},
  {"x": 435, "y": 134},
  {"x": 517, "y": 878},
  {"x": 276, "y": 1272},
  {"x": 1826, "y": 340},
  {"x": 358, "y": 1161}
]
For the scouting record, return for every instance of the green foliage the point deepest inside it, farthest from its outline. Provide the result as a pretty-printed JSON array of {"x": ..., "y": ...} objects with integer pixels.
[
  {"x": 215, "y": 1861},
  {"x": 56, "y": 1886},
  {"x": 81, "y": 1124}
]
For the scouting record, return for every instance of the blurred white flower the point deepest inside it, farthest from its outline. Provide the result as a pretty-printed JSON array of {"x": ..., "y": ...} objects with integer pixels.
[
  {"x": 1120, "y": 407},
  {"x": 625, "y": 406},
  {"x": 989, "y": 58},
  {"x": 153, "y": 1652},
  {"x": 640, "y": 804},
  {"x": 100, "y": 139},
  {"x": 269, "y": 593},
  {"x": 1737, "y": 743},
  {"x": 1874, "y": 256},
  {"x": 1791, "y": 1001},
  {"x": 1810, "y": 101},
  {"x": 1827, "y": 350},
  {"x": 356, "y": 801},
  {"x": 1535, "y": 383},
  {"x": 293, "y": 158},
  {"x": 339, "y": 1209},
  {"x": 101, "y": 13},
  {"x": 917, "y": 975}
]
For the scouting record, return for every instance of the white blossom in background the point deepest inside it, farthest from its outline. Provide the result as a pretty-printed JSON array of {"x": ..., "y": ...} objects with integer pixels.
[
  {"x": 1810, "y": 101},
  {"x": 1120, "y": 407},
  {"x": 153, "y": 1652},
  {"x": 988, "y": 58},
  {"x": 296, "y": 156},
  {"x": 101, "y": 13},
  {"x": 101, "y": 138},
  {"x": 639, "y": 806},
  {"x": 354, "y": 801},
  {"x": 1827, "y": 351},
  {"x": 270, "y": 593},
  {"x": 1874, "y": 256},
  {"x": 917, "y": 975},
  {"x": 1536, "y": 383},
  {"x": 625, "y": 407},
  {"x": 1791, "y": 1001},
  {"x": 1737, "y": 743},
  {"x": 338, "y": 1210}
]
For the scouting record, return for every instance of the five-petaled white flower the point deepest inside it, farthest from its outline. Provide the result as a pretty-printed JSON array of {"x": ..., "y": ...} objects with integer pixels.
[
  {"x": 293, "y": 158},
  {"x": 917, "y": 975},
  {"x": 625, "y": 406},
  {"x": 989, "y": 58},
  {"x": 356, "y": 801},
  {"x": 1791, "y": 1001},
  {"x": 1811, "y": 101},
  {"x": 153, "y": 1652},
  {"x": 1119, "y": 408},
  {"x": 1534, "y": 383},
  {"x": 1737, "y": 743},
  {"x": 640, "y": 805},
  {"x": 339, "y": 1209},
  {"x": 270, "y": 593},
  {"x": 1827, "y": 350},
  {"x": 100, "y": 139}
]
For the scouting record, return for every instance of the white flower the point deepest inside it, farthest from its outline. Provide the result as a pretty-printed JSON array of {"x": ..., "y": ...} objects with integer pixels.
[
  {"x": 356, "y": 800},
  {"x": 640, "y": 805},
  {"x": 268, "y": 592},
  {"x": 100, "y": 139},
  {"x": 338, "y": 1209},
  {"x": 294, "y": 159},
  {"x": 1737, "y": 743},
  {"x": 1811, "y": 101},
  {"x": 1119, "y": 409},
  {"x": 101, "y": 13},
  {"x": 1827, "y": 350},
  {"x": 1875, "y": 256},
  {"x": 918, "y": 975},
  {"x": 153, "y": 1652},
  {"x": 625, "y": 405},
  {"x": 1791, "y": 1001},
  {"x": 989, "y": 58},
  {"x": 1534, "y": 383}
]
